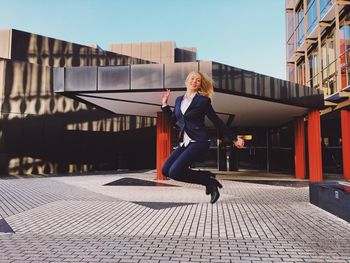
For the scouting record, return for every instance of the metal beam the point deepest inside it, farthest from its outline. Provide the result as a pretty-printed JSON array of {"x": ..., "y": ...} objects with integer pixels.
[
  {"x": 325, "y": 23},
  {"x": 343, "y": 2},
  {"x": 344, "y": 94},
  {"x": 329, "y": 103}
]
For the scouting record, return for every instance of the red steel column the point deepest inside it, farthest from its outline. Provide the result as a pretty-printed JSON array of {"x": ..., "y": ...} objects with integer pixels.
[
  {"x": 163, "y": 142},
  {"x": 314, "y": 146},
  {"x": 345, "y": 138},
  {"x": 299, "y": 143}
]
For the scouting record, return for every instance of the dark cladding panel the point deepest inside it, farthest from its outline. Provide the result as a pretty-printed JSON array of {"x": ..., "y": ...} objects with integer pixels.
[
  {"x": 260, "y": 85},
  {"x": 247, "y": 83},
  {"x": 185, "y": 54},
  {"x": 114, "y": 78},
  {"x": 175, "y": 74},
  {"x": 147, "y": 76},
  {"x": 58, "y": 79},
  {"x": 292, "y": 87},
  {"x": 81, "y": 79},
  {"x": 267, "y": 91}
]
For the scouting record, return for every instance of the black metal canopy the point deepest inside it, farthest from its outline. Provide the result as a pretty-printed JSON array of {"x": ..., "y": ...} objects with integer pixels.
[{"x": 255, "y": 99}]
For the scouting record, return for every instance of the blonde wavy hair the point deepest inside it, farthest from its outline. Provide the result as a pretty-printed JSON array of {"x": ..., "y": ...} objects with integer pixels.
[{"x": 207, "y": 87}]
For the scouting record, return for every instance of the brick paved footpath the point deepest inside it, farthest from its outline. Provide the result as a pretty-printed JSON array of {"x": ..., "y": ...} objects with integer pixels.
[{"x": 78, "y": 219}]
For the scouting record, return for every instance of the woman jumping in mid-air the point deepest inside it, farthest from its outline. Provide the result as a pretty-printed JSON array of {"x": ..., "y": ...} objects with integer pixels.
[{"x": 190, "y": 110}]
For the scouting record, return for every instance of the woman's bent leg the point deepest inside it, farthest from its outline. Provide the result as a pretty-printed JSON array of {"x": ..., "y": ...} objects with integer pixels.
[
  {"x": 171, "y": 159},
  {"x": 179, "y": 169}
]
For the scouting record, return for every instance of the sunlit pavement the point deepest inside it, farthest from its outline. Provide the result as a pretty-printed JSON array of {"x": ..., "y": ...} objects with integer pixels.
[{"x": 80, "y": 219}]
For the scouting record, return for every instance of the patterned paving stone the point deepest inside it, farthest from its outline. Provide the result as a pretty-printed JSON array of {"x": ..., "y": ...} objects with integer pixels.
[{"x": 78, "y": 219}]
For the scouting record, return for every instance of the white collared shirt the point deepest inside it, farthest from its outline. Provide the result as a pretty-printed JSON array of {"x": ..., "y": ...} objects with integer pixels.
[{"x": 185, "y": 103}]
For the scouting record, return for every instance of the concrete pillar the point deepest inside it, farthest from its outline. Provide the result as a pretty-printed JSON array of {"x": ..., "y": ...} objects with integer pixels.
[
  {"x": 163, "y": 142},
  {"x": 299, "y": 153},
  {"x": 314, "y": 146},
  {"x": 345, "y": 138}
]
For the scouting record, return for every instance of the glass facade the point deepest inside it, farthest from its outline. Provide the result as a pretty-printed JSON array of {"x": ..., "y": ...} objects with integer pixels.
[{"x": 326, "y": 64}]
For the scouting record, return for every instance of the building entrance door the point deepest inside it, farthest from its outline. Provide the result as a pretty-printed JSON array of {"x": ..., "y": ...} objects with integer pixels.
[{"x": 255, "y": 154}]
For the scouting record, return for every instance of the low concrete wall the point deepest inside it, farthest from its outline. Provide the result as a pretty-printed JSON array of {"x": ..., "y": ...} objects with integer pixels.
[{"x": 333, "y": 197}]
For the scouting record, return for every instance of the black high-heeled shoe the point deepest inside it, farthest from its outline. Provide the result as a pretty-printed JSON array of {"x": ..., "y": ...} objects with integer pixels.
[
  {"x": 214, "y": 191},
  {"x": 207, "y": 189}
]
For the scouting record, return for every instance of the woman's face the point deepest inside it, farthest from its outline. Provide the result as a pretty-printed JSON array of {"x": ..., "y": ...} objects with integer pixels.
[{"x": 194, "y": 82}]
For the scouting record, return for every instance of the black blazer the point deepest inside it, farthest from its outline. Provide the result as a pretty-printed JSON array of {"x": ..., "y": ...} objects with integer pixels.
[{"x": 193, "y": 120}]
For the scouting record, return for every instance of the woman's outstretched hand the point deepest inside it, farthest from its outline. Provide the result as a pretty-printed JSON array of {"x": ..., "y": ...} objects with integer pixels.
[
  {"x": 165, "y": 97},
  {"x": 239, "y": 143}
]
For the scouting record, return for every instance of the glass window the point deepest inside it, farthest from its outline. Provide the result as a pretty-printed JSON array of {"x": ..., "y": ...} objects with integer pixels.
[
  {"x": 300, "y": 26},
  {"x": 313, "y": 69},
  {"x": 291, "y": 72},
  {"x": 290, "y": 34},
  {"x": 290, "y": 46},
  {"x": 324, "y": 61},
  {"x": 311, "y": 15},
  {"x": 344, "y": 37},
  {"x": 290, "y": 24},
  {"x": 301, "y": 73},
  {"x": 328, "y": 63},
  {"x": 325, "y": 5},
  {"x": 310, "y": 70}
]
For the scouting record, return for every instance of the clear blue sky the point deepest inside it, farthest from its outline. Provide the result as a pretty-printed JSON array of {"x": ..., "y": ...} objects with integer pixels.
[{"x": 244, "y": 34}]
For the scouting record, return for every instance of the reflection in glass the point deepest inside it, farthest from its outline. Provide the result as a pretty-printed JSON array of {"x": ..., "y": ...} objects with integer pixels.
[{"x": 51, "y": 52}]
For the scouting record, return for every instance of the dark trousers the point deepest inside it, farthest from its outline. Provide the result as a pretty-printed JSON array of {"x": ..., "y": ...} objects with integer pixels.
[{"x": 177, "y": 165}]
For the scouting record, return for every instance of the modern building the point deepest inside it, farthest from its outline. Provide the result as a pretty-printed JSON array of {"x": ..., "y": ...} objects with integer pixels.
[
  {"x": 42, "y": 132},
  {"x": 69, "y": 108},
  {"x": 318, "y": 56}
]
